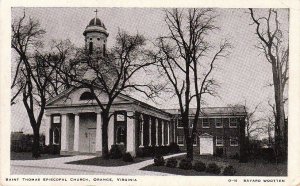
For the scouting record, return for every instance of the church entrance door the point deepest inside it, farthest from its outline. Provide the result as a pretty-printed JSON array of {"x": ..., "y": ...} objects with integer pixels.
[{"x": 92, "y": 140}]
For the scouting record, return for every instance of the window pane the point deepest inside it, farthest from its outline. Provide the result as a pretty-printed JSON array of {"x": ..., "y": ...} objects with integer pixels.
[
  {"x": 180, "y": 140},
  {"x": 205, "y": 122},
  {"x": 179, "y": 123},
  {"x": 219, "y": 141},
  {"x": 233, "y": 141},
  {"x": 120, "y": 117},
  {"x": 56, "y": 119},
  {"x": 195, "y": 141},
  {"x": 233, "y": 122},
  {"x": 219, "y": 122}
]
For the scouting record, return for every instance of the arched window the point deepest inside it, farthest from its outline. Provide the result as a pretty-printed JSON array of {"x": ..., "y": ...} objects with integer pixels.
[
  {"x": 56, "y": 136},
  {"x": 104, "y": 49},
  {"x": 87, "y": 96},
  {"x": 120, "y": 135},
  {"x": 91, "y": 47}
]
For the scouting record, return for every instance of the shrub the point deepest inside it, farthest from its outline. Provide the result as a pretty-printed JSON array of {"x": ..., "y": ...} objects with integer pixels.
[
  {"x": 54, "y": 149},
  {"x": 172, "y": 162},
  {"x": 45, "y": 149},
  {"x": 185, "y": 164},
  {"x": 236, "y": 156},
  {"x": 115, "y": 152},
  {"x": 219, "y": 152},
  {"x": 174, "y": 148},
  {"x": 160, "y": 150},
  {"x": 159, "y": 161},
  {"x": 148, "y": 151},
  {"x": 267, "y": 154},
  {"x": 199, "y": 166},
  {"x": 229, "y": 171},
  {"x": 140, "y": 152},
  {"x": 127, "y": 157},
  {"x": 213, "y": 168}
]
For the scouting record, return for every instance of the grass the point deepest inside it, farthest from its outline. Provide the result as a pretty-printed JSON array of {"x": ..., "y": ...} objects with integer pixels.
[
  {"x": 251, "y": 168},
  {"x": 98, "y": 161},
  {"x": 28, "y": 156}
]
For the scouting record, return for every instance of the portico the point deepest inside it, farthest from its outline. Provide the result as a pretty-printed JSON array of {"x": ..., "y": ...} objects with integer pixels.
[{"x": 75, "y": 124}]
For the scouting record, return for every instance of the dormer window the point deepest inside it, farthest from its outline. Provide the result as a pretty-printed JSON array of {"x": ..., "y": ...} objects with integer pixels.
[{"x": 87, "y": 96}]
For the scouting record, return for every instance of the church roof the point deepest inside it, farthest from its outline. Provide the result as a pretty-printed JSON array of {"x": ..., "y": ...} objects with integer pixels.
[
  {"x": 96, "y": 22},
  {"x": 214, "y": 111},
  {"x": 95, "y": 25}
]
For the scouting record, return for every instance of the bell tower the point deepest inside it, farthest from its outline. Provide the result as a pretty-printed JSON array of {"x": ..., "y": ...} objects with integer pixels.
[{"x": 95, "y": 35}]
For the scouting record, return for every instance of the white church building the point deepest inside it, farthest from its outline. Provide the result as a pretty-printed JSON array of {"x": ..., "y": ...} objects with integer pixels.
[{"x": 73, "y": 118}]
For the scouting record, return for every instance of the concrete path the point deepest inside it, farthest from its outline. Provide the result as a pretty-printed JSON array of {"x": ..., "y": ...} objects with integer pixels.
[{"x": 58, "y": 166}]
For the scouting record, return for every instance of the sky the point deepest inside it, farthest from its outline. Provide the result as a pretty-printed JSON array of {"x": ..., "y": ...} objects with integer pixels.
[{"x": 242, "y": 76}]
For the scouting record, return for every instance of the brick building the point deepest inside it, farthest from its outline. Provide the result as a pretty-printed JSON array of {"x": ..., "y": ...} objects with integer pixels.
[{"x": 220, "y": 130}]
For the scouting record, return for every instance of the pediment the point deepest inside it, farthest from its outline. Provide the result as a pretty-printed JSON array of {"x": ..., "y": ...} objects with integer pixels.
[
  {"x": 205, "y": 135},
  {"x": 72, "y": 97}
]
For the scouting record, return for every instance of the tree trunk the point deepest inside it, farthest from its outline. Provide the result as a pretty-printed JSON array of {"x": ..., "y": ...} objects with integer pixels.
[
  {"x": 189, "y": 144},
  {"x": 189, "y": 149},
  {"x": 280, "y": 147},
  {"x": 105, "y": 153},
  {"x": 36, "y": 143}
]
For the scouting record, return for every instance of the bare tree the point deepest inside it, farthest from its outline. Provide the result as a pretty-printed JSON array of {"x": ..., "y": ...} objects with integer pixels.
[
  {"x": 275, "y": 47},
  {"x": 269, "y": 128},
  {"x": 253, "y": 123},
  {"x": 183, "y": 58},
  {"x": 111, "y": 73},
  {"x": 33, "y": 74}
]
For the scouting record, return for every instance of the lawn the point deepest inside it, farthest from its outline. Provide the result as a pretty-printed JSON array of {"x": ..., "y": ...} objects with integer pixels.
[
  {"x": 28, "y": 156},
  {"x": 98, "y": 161},
  {"x": 251, "y": 168}
]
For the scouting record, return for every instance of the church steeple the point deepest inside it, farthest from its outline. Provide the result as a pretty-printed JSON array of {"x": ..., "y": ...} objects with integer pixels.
[{"x": 95, "y": 35}]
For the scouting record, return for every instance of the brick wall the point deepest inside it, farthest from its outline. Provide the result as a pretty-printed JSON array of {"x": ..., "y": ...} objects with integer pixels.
[{"x": 227, "y": 131}]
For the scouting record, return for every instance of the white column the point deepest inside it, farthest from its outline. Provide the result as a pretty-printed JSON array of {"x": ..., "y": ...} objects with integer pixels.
[
  {"x": 130, "y": 147},
  {"x": 162, "y": 133},
  {"x": 174, "y": 130},
  {"x": 47, "y": 129},
  {"x": 142, "y": 130},
  {"x": 99, "y": 134},
  {"x": 64, "y": 132},
  {"x": 156, "y": 131},
  {"x": 110, "y": 132},
  {"x": 76, "y": 133},
  {"x": 150, "y": 122},
  {"x": 168, "y": 123}
]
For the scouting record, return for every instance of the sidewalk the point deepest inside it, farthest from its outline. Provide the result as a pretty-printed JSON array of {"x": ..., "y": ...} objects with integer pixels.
[{"x": 59, "y": 165}]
